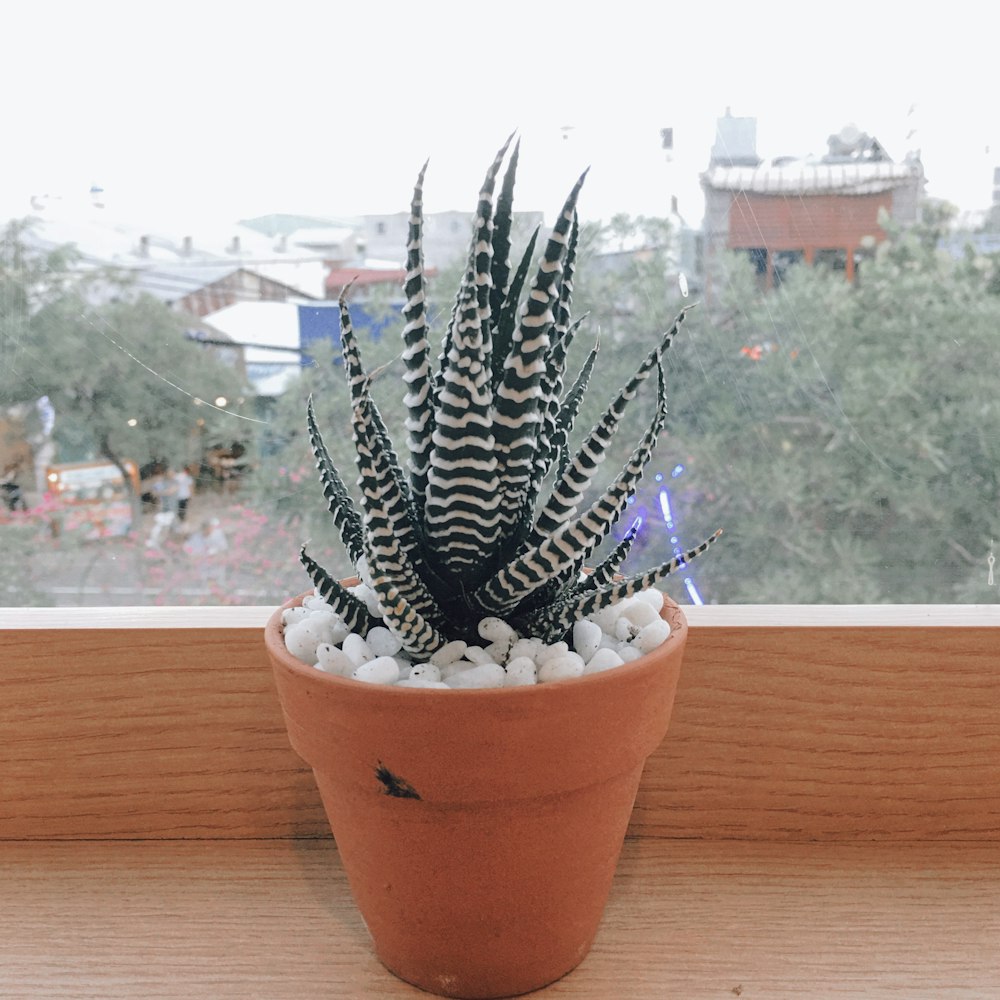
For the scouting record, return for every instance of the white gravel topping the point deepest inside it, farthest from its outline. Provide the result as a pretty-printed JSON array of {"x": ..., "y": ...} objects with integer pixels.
[{"x": 618, "y": 634}]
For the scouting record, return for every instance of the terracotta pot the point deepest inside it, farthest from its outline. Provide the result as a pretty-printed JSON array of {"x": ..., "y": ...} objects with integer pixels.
[{"x": 480, "y": 830}]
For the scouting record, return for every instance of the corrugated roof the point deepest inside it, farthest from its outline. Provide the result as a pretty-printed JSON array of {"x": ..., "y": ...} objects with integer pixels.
[{"x": 804, "y": 177}]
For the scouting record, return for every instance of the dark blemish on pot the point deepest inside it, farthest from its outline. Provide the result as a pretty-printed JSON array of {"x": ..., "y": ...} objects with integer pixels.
[{"x": 395, "y": 786}]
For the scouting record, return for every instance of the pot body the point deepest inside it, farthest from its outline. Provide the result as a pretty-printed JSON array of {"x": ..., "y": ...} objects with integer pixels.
[{"x": 480, "y": 830}]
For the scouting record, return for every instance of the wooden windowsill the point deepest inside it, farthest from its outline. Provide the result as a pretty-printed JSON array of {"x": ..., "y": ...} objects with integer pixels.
[
  {"x": 695, "y": 920},
  {"x": 823, "y": 819}
]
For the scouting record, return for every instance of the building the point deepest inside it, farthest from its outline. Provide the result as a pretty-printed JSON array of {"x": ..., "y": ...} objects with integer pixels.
[
  {"x": 445, "y": 236},
  {"x": 826, "y": 210}
]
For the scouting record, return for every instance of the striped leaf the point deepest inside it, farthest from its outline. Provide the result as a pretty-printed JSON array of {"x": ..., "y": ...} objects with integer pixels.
[
  {"x": 506, "y": 320},
  {"x": 416, "y": 350},
  {"x": 566, "y": 417},
  {"x": 606, "y": 511},
  {"x": 390, "y": 542},
  {"x": 558, "y": 558},
  {"x": 346, "y": 518},
  {"x": 353, "y": 611},
  {"x": 570, "y": 488},
  {"x": 608, "y": 568},
  {"x": 479, "y": 268},
  {"x": 517, "y": 409},
  {"x": 548, "y": 444},
  {"x": 419, "y": 638},
  {"x": 358, "y": 385},
  {"x": 461, "y": 513},
  {"x": 501, "y": 234},
  {"x": 554, "y": 621}
]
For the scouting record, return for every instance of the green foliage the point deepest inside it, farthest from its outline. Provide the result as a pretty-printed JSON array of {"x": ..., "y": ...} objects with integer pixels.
[
  {"x": 124, "y": 382},
  {"x": 849, "y": 437}
]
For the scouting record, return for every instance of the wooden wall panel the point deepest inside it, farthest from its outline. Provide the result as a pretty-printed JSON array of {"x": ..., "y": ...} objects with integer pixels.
[
  {"x": 146, "y": 733},
  {"x": 813, "y": 732}
]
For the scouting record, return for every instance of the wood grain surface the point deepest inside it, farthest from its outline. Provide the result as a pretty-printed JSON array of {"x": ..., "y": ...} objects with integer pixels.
[
  {"x": 165, "y": 920},
  {"x": 880, "y": 732}
]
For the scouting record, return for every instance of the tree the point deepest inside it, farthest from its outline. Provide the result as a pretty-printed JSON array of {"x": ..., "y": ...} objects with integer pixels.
[
  {"x": 122, "y": 379},
  {"x": 847, "y": 437}
]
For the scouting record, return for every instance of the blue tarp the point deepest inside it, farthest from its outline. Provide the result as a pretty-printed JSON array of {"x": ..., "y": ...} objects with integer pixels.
[{"x": 321, "y": 322}]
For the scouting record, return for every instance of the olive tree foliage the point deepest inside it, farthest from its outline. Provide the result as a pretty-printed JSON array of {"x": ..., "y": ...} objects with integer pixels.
[
  {"x": 124, "y": 382},
  {"x": 848, "y": 437},
  {"x": 845, "y": 437}
]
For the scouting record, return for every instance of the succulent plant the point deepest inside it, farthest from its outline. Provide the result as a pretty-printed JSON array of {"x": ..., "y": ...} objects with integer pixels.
[{"x": 465, "y": 534}]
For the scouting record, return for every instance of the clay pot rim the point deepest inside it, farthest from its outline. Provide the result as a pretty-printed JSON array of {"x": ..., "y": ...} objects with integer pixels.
[{"x": 274, "y": 641}]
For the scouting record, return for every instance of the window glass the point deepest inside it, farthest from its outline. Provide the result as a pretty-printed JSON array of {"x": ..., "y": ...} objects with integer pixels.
[{"x": 187, "y": 191}]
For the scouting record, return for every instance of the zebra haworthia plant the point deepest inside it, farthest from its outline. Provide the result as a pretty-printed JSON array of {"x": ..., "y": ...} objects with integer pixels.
[{"x": 464, "y": 535}]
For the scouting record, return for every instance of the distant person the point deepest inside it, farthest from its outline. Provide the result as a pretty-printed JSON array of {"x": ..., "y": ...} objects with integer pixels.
[
  {"x": 13, "y": 498},
  {"x": 185, "y": 489},
  {"x": 165, "y": 491}
]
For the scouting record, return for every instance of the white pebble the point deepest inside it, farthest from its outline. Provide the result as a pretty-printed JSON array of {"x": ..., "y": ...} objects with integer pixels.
[
  {"x": 449, "y": 653},
  {"x": 525, "y": 647},
  {"x": 629, "y": 653},
  {"x": 498, "y": 652},
  {"x": 477, "y": 654},
  {"x": 339, "y": 630},
  {"x": 560, "y": 668},
  {"x": 639, "y": 613},
  {"x": 483, "y": 675},
  {"x": 421, "y": 682},
  {"x": 425, "y": 672},
  {"x": 625, "y": 630},
  {"x": 333, "y": 660},
  {"x": 605, "y": 618},
  {"x": 586, "y": 638},
  {"x": 521, "y": 670},
  {"x": 382, "y": 642},
  {"x": 496, "y": 630},
  {"x": 651, "y": 636},
  {"x": 652, "y": 597},
  {"x": 603, "y": 659},
  {"x": 302, "y": 638},
  {"x": 292, "y": 615},
  {"x": 551, "y": 651},
  {"x": 455, "y": 667},
  {"x": 357, "y": 649},
  {"x": 316, "y": 603},
  {"x": 381, "y": 670},
  {"x": 365, "y": 593}
]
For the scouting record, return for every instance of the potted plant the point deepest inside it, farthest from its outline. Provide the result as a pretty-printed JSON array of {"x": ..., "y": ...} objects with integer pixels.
[{"x": 480, "y": 828}]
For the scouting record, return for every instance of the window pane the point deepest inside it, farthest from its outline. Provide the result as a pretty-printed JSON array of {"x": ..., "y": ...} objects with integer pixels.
[{"x": 184, "y": 215}]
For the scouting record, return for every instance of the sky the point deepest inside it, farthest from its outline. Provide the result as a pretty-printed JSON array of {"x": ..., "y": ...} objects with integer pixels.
[{"x": 194, "y": 115}]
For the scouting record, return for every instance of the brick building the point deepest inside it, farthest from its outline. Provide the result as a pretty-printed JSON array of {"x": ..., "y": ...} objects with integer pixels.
[{"x": 824, "y": 210}]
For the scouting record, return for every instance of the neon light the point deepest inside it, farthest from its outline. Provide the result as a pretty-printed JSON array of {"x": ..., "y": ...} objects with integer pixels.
[
  {"x": 658, "y": 477},
  {"x": 665, "y": 506},
  {"x": 693, "y": 591},
  {"x": 676, "y": 471}
]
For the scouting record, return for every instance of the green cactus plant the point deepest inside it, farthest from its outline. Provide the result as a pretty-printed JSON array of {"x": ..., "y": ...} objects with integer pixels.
[{"x": 464, "y": 535}]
